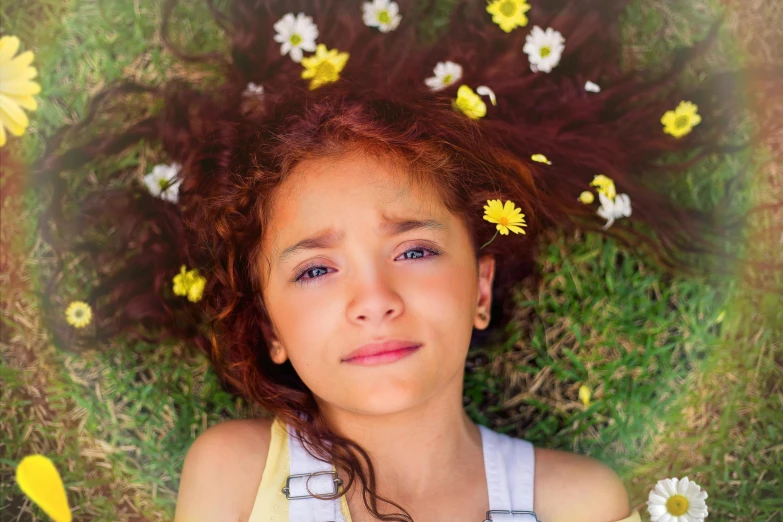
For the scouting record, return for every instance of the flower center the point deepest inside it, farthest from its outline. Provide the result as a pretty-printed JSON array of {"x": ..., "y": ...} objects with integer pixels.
[
  {"x": 677, "y": 505},
  {"x": 681, "y": 121},
  {"x": 545, "y": 51},
  {"x": 78, "y": 313},
  {"x": 508, "y": 8},
  {"x": 447, "y": 78},
  {"x": 503, "y": 221},
  {"x": 296, "y": 39},
  {"x": 325, "y": 70},
  {"x": 383, "y": 17},
  {"x": 163, "y": 183}
]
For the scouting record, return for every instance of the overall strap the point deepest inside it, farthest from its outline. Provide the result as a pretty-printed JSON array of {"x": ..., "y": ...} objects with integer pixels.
[
  {"x": 509, "y": 464},
  {"x": 302, "y": 506}
]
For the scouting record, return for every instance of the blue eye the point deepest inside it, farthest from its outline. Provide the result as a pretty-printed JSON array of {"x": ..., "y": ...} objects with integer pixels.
[{"x": 313, "y": 267}]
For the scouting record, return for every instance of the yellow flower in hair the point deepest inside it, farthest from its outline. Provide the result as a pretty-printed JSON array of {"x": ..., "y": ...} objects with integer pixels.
[
  {"x": 189, "y": 283},
  {"x": 470, "y": 103},
  {"x": 16, "y": 87},
  {"x": 681, "y": 120},
  {"x": 78, "y": 314},
  {"x": 586, "y": 197},
  {"x": 39, "y": 480},
  {"x": 506, "y": 217},
  {"x": 605, "y": 186},
  {"x": 509, "y": 14},
  {"x": 324, "y": 67},
  {"x": 540, "y": 158}
]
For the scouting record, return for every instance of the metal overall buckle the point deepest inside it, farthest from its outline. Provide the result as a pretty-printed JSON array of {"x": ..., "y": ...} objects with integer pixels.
[
  {"x": 489, "y": 514},
  {"x": 287, "y": 489}
]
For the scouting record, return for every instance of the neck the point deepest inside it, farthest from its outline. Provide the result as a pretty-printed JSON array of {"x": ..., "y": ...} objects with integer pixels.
[{"x": 416, "y": 451}]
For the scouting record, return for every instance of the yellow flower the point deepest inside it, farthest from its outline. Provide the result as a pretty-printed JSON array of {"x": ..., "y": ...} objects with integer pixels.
[
  {"x": 506, "y": 217},
  {"x": 16, "y": 89},
  {"x": 324, "y": 67},
  {"x": 540, "y": 158},
  {"x": 509, "y": 14},
  {"x": 681, "y": 120},
  {"x": 584, "y": 395},
  {"x": 605, "y": 186},
  {"x": 78, "y": 314},
  {"x": 470, "y": 103},
  {"x": 189, "y": 283},
  {"x": 586, "y": 197},
  {"x": 39, "y": 480}
]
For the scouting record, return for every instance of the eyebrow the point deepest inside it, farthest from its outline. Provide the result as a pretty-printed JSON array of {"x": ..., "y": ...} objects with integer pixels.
[{"x": 328, "y": 237}]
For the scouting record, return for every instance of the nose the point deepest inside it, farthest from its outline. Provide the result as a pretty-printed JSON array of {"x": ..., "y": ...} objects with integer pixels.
[{"x": 375, "y": 298}]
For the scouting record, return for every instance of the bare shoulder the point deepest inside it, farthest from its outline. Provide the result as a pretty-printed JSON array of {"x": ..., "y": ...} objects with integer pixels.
[
  {"x": 594, "y": 491},
  {"x": 222, "y": 471}
]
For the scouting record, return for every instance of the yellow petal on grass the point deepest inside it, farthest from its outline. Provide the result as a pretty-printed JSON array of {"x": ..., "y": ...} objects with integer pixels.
[
  {"x": 584, "y": 395},
  {"x": 39, "y": 480}
]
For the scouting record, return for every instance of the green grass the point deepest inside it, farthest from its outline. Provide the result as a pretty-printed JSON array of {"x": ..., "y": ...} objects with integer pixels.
[{"x": 684, "y": 374}]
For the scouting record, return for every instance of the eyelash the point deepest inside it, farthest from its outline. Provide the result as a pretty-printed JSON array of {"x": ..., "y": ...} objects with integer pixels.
[{"x": 304, "y": 271}]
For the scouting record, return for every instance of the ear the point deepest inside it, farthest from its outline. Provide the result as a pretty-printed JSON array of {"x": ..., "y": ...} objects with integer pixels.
[
  {"x": 486, "y": 275},
  {"x": 277, "y": 351}
]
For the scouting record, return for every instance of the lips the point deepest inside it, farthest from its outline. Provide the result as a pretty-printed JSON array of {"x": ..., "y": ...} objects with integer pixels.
[{"x": 390, "y": 345}]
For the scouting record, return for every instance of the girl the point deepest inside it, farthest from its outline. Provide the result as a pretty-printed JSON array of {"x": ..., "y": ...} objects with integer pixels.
[{"x": 327, "y": 232}]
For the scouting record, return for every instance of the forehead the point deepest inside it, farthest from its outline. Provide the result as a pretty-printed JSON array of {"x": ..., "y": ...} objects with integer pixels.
[{"x": 335, "y": 191}]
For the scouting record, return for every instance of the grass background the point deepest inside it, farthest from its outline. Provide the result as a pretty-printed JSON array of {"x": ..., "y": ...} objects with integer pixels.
[{"x": 685, "y": 374}]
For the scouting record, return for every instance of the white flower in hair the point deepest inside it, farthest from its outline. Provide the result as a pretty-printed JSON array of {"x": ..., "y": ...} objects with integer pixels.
[
  {"x": 612, "y": 209},
  {"x": 544, "y": 49},
  {"x": 162, "y": 181},
  {"x": 446, "y": 73},
  {"x": 296, "y": 34},
  {"x": 677, "y": 500},
  {"x": 253, "y": 90},
  {"x": 383, "y": 14},
  {"x": 592, "y": 87}
]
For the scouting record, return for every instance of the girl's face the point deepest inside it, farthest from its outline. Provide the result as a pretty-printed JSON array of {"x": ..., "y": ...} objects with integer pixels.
[{"x": 371, "y": 283}]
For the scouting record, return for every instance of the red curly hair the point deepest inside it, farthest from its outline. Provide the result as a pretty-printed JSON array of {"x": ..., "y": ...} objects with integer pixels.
[{"x": 235, "y": 150}]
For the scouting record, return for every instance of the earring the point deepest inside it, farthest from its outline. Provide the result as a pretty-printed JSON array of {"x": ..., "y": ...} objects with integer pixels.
[{"x": 483, "y": 316}]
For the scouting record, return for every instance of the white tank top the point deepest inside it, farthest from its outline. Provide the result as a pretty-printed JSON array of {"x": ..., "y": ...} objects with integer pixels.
[{"x": 509, "y": 465}]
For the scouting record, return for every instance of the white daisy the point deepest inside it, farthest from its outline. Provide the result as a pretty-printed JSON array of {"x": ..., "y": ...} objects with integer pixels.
[
  {"x": 296, "y": 34},
  {"x": 162, "y": 181},
  {"x": 383, "y": 14},
  {"x": 446, "y": 73},
  {"x": 675, "y": 500},
  {"x": 612, "y": 209},
  {"x": 592, "y": 87},
  {"x": 253, "y": 90},
  {"x": 544, "y": 49}
]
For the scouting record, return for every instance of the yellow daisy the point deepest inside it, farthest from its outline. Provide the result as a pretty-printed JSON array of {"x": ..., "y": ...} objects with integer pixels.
[
  {"x": 39, "y": 480},
  {"x": 78, "y": 314},
  {"x": 509, "y": 14},
  {"x": 470, "y": 103},
  {"x": 540, "y": 158},
  {"x": 586, "y": 197},
  {"x": 324, "y": 67},
  {"x": 681, "y": 120},
  {"x": 189, "y": 283},
  {"x": 16, "y": 89},
  {"x": 605, "y": 186},
  {"x": 506, "y": 217}
]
